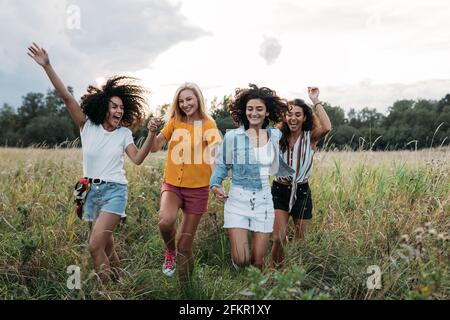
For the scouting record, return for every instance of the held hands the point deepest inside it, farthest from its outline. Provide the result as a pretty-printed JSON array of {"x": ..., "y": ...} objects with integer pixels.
[
  {"x": 220, "y": 194},
  {"x": 38, "y": 54},
  {"x": 313, "y": 93},
  {"x": 154, "y": 124}
]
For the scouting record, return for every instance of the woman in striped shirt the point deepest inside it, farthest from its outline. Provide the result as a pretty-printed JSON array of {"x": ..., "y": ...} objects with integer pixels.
[{"x": 302, "y": 130}]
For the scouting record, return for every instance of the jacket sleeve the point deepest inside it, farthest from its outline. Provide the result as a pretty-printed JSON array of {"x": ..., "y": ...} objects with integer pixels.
[
  {"x": 223, "y": 161},
  {"x": 283, "y": 170}
]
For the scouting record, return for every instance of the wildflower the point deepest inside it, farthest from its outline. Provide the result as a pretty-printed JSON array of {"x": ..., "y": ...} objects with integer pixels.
[
  {"x": 419, "y": 231},
  {"x": 405, "y": 238},
  {"x": 432, "y": 232},
  {"x": 425, "y": 290},
  {"x": 443, "y": 236},
  {"x": 141, "y": 196},
  {"x": 416, "y": 253},
  {"x": 428, "y": 225},
  {"x": 292, "y": 291}
]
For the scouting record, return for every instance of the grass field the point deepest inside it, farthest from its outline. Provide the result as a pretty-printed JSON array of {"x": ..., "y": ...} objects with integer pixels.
[{"x": 385, "y": 209}]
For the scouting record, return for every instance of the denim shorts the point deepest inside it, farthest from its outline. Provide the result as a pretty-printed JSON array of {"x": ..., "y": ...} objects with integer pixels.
[{"x": 105, "y": 197}]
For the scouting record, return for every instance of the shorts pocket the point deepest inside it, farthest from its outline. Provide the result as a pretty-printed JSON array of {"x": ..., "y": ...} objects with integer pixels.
[{"x": 278, "y": 190}]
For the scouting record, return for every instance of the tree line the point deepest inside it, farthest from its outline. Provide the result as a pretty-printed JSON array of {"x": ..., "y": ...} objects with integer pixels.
[{"x": 42, "y": 120}]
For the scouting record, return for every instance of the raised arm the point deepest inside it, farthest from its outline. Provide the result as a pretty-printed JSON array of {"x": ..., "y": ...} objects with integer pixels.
[
  {"x": 41, "y": 57},
  {"x": 325, "y": 123}
]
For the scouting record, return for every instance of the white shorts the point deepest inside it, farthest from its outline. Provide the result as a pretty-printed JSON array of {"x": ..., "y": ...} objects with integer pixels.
[{"x": 250, "y": 210}]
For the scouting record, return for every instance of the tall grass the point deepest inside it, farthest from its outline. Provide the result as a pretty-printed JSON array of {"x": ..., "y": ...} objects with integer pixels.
[{"x": 389, "y": 209}]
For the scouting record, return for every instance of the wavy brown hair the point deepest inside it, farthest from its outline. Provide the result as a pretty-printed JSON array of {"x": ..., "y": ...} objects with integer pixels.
[
  {"x": 95, "y": 102},
  {"x": 308, "y": 125},
  {"x": 274, "y": 104}
]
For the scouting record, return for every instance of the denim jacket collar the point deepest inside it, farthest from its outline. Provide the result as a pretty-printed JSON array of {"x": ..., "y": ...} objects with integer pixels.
[
  {"x": 240, "y": 130},
  {"x": 246, "y": 175}
]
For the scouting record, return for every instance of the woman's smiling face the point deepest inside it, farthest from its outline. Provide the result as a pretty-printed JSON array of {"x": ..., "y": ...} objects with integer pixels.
[
  {"x": 295, "y": 117},
  {"x": 115, "y": 113},
  {"x": 256, "y": 112},
  {"x": 188, "y": 102}
]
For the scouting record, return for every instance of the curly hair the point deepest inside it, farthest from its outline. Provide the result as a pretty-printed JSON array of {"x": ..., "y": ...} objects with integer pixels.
[
  {"x": 95, "y": 102},
  {"x": 308, "y": 125},
  {"x": 274, "y": 104}
]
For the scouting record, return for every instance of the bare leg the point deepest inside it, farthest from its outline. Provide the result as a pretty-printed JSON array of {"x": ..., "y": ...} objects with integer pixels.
[
  {"x": 279, "y": 237},
  {"x": 170, "y": 203},
  {"x": 260, "y": 242},
  {"x": 300, "y": 228},
  {"x": 240, "y": 252},
  {"x": 102, "y": 230},
  {"x": 186, "y": 236},
  {"x": 113, "y": 257}
]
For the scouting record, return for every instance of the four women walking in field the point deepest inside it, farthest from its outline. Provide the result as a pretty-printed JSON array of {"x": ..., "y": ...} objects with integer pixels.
[{"x": 198, "y": 161}]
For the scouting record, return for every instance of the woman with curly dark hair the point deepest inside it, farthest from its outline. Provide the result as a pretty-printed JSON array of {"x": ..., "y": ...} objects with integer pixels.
[
  {"x": 103, "y": 118},
  {"x": 251, "y": 152},
  {"x": 302, "y": 130}
]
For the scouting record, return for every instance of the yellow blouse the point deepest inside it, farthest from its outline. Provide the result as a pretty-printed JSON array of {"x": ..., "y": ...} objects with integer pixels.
[{"x": 190, "y": 153}]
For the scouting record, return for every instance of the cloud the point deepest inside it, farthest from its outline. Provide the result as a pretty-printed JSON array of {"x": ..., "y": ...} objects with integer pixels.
[
  {"x": 270, "y": 49},
  {"x": 392, "y": 44},
  {"x": 130, "y": 34},
  {"x": 380, "y": 96},
  {"x": 114, "y": 37}
]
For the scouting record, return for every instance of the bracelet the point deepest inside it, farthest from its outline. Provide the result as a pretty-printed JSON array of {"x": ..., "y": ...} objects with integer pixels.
[{"x": 315, "y": 105}]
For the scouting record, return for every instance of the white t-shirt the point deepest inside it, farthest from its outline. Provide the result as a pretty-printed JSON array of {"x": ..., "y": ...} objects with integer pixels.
[{"x": 103, "y": 152}]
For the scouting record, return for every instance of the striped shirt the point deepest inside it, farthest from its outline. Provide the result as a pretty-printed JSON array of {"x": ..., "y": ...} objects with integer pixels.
[{"x": 299, "y": 158}]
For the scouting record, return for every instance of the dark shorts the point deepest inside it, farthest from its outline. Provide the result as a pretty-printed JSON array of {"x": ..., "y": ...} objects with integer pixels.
[{"x": 302, "y": 208}]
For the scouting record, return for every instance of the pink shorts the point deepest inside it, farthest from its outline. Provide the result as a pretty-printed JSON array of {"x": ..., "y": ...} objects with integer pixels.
[{"x": 194, "y": 200}]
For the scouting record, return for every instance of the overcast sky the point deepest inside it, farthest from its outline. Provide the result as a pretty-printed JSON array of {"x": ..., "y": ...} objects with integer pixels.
[{"x": 360, "y": 53}]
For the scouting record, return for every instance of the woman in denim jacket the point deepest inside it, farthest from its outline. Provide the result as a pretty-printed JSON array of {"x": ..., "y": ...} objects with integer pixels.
[{"x": 251, "y": 152}]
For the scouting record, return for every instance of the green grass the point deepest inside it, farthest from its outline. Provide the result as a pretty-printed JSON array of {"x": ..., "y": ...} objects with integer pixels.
[{"x": 368, "y": 207}]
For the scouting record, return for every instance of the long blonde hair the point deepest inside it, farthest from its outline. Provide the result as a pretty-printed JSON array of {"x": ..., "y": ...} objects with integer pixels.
[{"x": 175, "y": 111}]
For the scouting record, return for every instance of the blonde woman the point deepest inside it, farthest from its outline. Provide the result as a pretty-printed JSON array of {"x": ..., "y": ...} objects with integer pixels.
[{"x": 191, "y": 135}]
